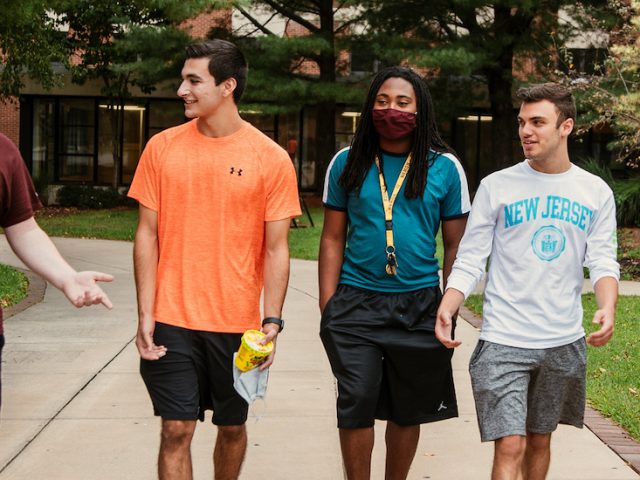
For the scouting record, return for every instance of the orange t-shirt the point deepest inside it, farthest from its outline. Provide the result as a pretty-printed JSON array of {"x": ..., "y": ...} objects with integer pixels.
[{"x": 213, "y": 197}]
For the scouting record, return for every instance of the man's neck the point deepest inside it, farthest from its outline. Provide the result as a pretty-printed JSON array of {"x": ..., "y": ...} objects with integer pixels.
[
  {"x": 551, "y": 165},
  {"x": 221, "y": 124}
]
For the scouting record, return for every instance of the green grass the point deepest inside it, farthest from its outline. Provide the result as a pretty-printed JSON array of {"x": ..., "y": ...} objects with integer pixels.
[
  {"x": 613, "y": 371},
  {"x": 474, "y": 303},
  {"x": 304, "y": 241},
  {"x": 116, "y": 224},
  {"x": 13, "y": 286}
]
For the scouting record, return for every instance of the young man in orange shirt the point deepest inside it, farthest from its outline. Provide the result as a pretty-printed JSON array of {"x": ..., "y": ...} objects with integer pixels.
[{"x": 216, "y": 198}]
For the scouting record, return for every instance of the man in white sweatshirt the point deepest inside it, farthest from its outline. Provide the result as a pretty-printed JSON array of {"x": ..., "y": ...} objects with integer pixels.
[{"x": 539, "y": 221}]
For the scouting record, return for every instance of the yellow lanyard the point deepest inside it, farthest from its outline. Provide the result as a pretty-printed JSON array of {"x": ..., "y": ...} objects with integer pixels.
[{"x": 387, "y": 204}]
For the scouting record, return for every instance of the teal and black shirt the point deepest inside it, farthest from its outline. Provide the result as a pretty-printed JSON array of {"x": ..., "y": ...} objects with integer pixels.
[{"x": 415, "y": 222}]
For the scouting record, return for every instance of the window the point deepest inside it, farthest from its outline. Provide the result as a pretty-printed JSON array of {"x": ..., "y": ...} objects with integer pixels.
[
  {"x": 130, "y": 143},
  {"x": 76, "y": 145},
  {"x": 164, "y": 114},
  {"x": 43, "y": 146},
  {"x": 346, "y": 122}
]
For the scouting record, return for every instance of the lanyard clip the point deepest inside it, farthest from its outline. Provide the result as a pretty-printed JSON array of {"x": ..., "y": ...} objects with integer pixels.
[{"x": 392, "y": 263}]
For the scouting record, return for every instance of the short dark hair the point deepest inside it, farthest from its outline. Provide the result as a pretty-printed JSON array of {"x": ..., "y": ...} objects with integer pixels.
[
  {"x": 557, "y": 94},
  {"x": 225, "y": 61}
]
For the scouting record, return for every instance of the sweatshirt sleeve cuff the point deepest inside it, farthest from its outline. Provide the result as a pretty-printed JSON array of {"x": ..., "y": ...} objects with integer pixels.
[
  {"x": 463, "y": 282},
  {"x": 594, "y": 276}
]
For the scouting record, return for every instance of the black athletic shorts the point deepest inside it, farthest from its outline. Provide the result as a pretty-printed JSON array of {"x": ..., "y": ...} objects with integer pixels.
[
  {"x": 195, "y": 375},
  {"x": 386, "y": 358}
]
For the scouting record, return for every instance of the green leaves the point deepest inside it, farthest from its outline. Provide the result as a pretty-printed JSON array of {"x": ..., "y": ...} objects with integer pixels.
[
  {"x": 611, "y": 95},
  {"x": 30, "y": 45},
  {"x": 126, "y": 44},
  {"x": 122, "y": 43}
]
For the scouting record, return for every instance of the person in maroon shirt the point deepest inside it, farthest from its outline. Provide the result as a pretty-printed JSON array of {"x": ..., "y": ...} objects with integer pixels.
[{"x": 18, "y": 200}]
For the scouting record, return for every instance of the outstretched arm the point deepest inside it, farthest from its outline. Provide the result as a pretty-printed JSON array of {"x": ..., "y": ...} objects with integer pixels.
[
  {"x": 145, "y": 263},
  {"x": 276, "y": 277},
  {"x": 36, "y": 250}
]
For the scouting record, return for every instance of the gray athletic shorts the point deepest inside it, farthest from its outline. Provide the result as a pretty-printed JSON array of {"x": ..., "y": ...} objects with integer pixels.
[{"x": 521, "y": 390}]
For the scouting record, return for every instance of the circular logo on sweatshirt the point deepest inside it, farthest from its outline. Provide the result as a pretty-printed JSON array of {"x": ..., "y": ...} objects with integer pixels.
[{"x": 548, "y": 243}]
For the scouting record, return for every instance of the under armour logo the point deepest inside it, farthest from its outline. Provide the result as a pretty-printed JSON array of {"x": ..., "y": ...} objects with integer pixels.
[
  {"x": 233, "y": 170},
  {"x": 442, "y": 407}
]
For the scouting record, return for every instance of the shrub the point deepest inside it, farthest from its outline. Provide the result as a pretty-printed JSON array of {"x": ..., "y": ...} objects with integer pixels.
[
  {"x": 626, "y": 192},
  {"x": 85, "y": 196}
]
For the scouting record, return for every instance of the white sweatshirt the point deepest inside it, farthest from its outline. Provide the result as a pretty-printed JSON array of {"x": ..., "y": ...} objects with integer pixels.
[{"x": 539, "y": 230}]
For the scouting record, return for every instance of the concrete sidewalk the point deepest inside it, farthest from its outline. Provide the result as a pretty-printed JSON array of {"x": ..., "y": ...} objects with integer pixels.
[{"x": 74, "y": 406}]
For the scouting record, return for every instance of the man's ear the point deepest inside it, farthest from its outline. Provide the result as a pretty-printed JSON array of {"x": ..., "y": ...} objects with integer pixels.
[
  {"x": 566, "y": 127},
  {"x": 229, "y": 85}
]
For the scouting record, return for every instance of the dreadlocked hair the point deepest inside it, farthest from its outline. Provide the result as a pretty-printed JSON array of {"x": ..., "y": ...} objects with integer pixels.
[{"x": 366, "y": 141}]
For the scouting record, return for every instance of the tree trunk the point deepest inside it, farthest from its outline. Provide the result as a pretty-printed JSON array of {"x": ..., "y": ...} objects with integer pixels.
[
  {"x": 503, "y": 125},
  {"x": 500, "y": 78},
  {"x": 326, "y": 120}
]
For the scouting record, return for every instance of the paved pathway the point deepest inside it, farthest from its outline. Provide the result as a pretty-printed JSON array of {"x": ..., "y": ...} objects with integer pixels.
[{"x": 74, "y": 406}]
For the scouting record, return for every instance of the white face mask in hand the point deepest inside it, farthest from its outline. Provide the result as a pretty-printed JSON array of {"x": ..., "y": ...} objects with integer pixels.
[{"x": 251, "y": 385}]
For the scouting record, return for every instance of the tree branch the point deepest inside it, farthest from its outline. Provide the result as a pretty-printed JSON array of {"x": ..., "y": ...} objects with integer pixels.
[
  {"x": 340, "y": 5},
  {"x": 346, "y": 24},
  {"x": 255, "y": 22},
  {"x": 292, "y": 15}
]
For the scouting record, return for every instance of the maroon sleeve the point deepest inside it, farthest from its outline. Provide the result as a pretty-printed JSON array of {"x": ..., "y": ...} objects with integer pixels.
[{"x": 18, "y": 197}]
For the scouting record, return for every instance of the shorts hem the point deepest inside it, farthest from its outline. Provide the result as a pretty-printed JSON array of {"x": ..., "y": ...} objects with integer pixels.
[
  {"x": 354, "y": 423},
  {"x": 495, "y": 436},
  {"x": 177, "y": 416},
  {"x": 573, "y": 424},
  {"x": 229, "y": 423},
  {"x": 407, "y": 422},
  {"x": 498, "y": 435},
  {"x": 553, "y": 428}
]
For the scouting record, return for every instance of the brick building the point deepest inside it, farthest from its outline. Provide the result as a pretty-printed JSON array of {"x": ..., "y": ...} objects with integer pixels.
[{"x": 65, "y": 134}]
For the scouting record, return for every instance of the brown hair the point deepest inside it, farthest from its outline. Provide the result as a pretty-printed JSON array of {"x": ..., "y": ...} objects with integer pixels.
[
  {"x": 225, "y": 61},
  {"x": 557, "y": 94}
]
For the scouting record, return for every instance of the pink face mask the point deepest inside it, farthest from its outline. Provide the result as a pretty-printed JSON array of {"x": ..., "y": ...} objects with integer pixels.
[{"x": 393, "y": 124}]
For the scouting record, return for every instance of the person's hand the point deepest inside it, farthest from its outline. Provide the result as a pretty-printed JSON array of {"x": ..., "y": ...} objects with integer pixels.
[
  {"x": 605, "y": 318},
  {"x": 444, "y": 326},
  {"x": 82, "y": 290},
  {"x": 270, "y": 331},
  {"x": 147, "y": 349},
  {"x": 447, "y": 312}
]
